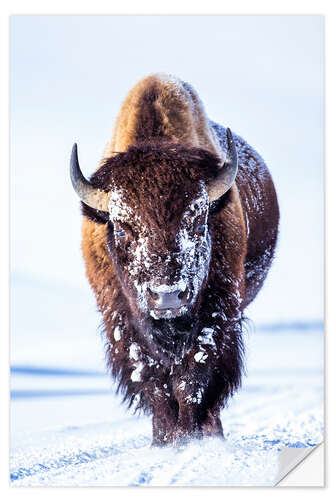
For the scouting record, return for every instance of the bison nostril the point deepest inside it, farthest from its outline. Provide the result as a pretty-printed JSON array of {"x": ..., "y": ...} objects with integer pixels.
[
  {"x": 153, "y": 295},
  {"x": 184, "y": 296}
]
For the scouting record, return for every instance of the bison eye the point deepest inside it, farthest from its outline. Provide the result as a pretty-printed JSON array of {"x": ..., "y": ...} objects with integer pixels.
[
  {"x": 200, "y": 229},
  {"x": 121, "y": 234}
]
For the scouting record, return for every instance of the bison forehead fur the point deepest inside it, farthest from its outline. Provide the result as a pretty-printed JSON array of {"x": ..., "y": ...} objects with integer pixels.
[{"x": 162, "y": 240}]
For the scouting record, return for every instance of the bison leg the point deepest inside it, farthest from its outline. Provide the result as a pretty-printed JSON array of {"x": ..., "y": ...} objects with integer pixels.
[
  {"x": 212, "y": 426},
  {"x": 191, "y": 412},
  {"x": 165, "y": 412},
  {"x": 164, "y": 422},
  {"x": 196, "y": 417},
  {"x": 188, "y": 424},
  {"x": 195, "y": 421}
]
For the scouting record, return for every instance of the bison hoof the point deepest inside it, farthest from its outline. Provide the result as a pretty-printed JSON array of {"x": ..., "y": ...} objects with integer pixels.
[
  {"x": 178, "y": 438},
  {"x": 181, "y": 437}
]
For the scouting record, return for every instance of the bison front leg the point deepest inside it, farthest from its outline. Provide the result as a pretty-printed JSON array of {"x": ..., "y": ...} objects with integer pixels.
[
  {"x": 165, "y": 412},
  {"x": 188, "y": 425},
  {"x": 198, "y": 416},
  {"x": 164, "y": 422},
  {"x": 211, "y": 425}
]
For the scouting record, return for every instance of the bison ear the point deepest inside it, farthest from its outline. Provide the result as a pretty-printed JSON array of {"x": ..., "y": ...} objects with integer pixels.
[
  {"x": 98, "y": 216},
  {"x": 226, "y": 175}
]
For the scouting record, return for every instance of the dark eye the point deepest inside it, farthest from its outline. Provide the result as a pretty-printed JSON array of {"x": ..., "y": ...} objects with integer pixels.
[
  {"x": 201, "y": 228},
  {"x": 121, "y": 234}
]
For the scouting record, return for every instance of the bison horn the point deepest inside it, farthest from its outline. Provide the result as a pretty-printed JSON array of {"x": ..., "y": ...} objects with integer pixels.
[
  {"x": 227, "y": 173},
  {"x": 91, "y": 196}
]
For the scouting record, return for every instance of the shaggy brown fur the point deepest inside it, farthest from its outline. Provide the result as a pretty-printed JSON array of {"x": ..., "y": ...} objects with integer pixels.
[
  {"x": 162, "y": 106},
  {"x": 181, "y": 369}
]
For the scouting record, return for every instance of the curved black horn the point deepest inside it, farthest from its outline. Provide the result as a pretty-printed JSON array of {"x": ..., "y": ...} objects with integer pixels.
[
  {"x": 95, "y": 198},
  {"x": 227, "y": 173}
]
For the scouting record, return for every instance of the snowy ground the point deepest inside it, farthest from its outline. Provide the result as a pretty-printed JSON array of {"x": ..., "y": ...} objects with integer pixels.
[{"x": 69, "y": 427}]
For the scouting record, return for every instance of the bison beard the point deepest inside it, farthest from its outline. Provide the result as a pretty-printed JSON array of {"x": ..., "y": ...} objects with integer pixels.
[
  {"x": 173, "y": 335},
  {"x": 181, "y": 368}
]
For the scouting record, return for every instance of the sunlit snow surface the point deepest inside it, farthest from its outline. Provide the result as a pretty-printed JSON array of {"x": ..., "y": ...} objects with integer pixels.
[{"x": 70, "y": 429}]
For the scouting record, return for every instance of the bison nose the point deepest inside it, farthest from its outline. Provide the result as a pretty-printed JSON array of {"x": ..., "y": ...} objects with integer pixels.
[{"x": 164, "y": 299}]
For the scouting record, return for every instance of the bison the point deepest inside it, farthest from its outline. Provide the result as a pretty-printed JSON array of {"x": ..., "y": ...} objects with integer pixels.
[{"x": 180, "y": 224}]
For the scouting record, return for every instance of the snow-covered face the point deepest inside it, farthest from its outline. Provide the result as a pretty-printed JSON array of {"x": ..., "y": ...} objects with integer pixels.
[{"x": 161, "y": 269}]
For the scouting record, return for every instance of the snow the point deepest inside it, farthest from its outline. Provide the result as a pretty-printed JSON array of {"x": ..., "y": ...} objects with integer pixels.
[
  {"x": 118, "y": 209},
  {"x": 136, "y": 374},
  {"x": 134, "y": 351},
  {"x": 63, "y": 437},
  {"x": 206, "y": 337},
  {"x": 195, "y": 248},
  {"x": 200, "y": 357},
  {"x": 117, "y": 334},
  {"x": 180, "y": 285},
  {"x": 182, "y": 385}
]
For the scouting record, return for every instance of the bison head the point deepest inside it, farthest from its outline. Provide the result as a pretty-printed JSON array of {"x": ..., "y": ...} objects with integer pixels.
[{"x": 155, "y": 199}]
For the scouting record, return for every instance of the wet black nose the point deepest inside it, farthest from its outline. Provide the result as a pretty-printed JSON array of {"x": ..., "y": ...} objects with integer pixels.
[{"x": 167, "y": 300}]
